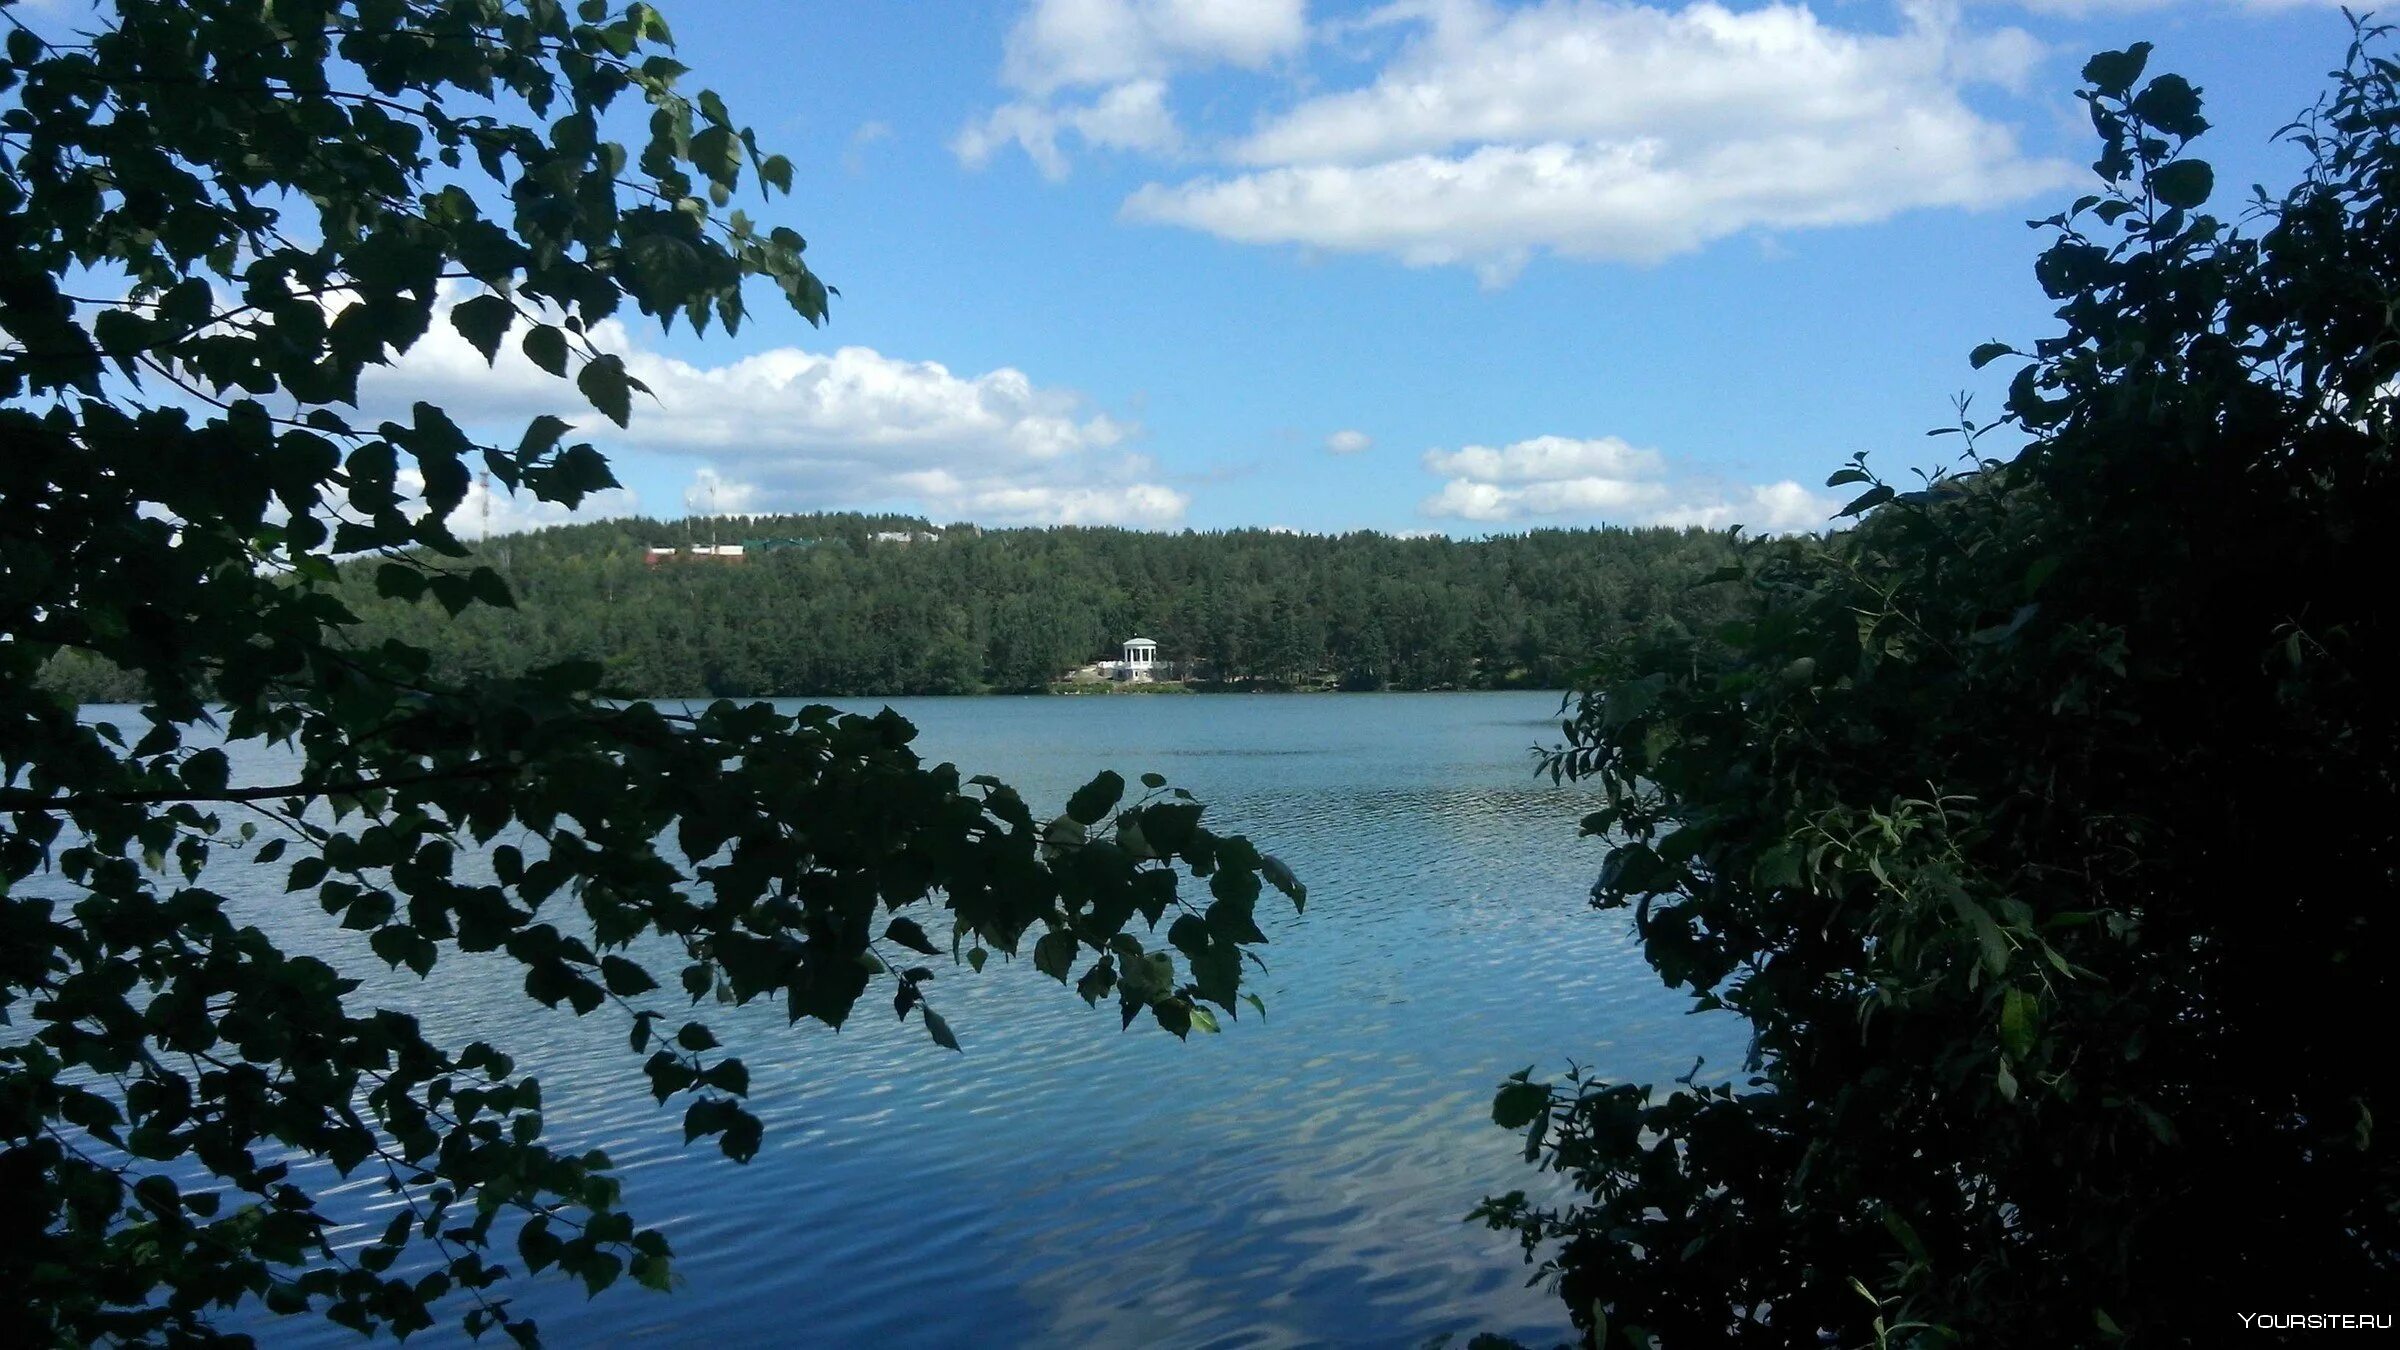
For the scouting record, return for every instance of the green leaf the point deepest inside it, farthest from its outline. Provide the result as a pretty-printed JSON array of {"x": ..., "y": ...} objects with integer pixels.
[
  {"x": 1094, "y": 800},
  {"x": 546, "y": 347},
  {"x": 2172, "y": 105},
  {"x": 1986, "y": 353},
  {"x": 1518, "y": 1102},
  {"x": 1054, "y": 955},
  {"x": 938, "y": 1028},
  {"x": 2113, "y": 73},
  {"x": 624, "y": 978},
  {"x": 1993, "y": 943},
  {"x": 603, "y": 381},
  {"x": 541, "y": 436},
  {"x": 907, "y": 933},
  {"x": 2018, "y": 1012},
  {"x": 2184, "y": 184},
  {"x": 399, "y": 581},
  {"x": 1280, "y": 877},
  {"x": 207, "y": 771},
  {"x": 483, "y": 320},
  {"x": 1868, "y": 501},
  {"x": 718, "y": 154}
]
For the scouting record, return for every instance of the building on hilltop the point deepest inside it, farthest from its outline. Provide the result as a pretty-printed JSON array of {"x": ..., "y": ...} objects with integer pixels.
[{"x": 707, "y": 553}]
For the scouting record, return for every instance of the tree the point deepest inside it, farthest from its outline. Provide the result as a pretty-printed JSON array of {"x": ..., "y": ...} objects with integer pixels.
[
  {"x": 2040, "y": 826},
  {"x": 213, "y": 217}
]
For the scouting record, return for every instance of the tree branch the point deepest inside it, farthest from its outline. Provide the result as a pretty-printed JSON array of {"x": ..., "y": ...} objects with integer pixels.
[{"x": 16, "y": 800}]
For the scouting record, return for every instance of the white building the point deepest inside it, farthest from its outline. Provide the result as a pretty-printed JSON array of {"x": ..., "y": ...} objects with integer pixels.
[
  {"x": 1139, "y": 665},
  {"x": 1140, "y": 655}
]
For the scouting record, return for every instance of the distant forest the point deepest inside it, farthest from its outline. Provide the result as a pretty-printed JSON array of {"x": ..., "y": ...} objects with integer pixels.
[{"x": 820, "y": 606}]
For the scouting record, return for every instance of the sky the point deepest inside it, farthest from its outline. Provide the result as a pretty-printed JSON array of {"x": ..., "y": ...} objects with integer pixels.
[{"x": 1456, "y": 266}]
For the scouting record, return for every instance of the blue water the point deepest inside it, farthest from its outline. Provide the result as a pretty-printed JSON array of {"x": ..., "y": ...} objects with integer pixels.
[{"x": 1297, "y": 1180}]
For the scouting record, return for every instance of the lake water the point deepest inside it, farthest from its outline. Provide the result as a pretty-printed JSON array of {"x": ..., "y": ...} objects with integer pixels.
[{"x": 1297, "y": 1180}]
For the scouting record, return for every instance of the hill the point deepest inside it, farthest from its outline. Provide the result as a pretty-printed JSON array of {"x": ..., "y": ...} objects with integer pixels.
[{"x": 879, "y": 605}]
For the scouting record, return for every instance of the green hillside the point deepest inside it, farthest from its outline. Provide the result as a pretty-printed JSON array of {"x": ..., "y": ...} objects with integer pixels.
[{"x": 819, "y": 606}]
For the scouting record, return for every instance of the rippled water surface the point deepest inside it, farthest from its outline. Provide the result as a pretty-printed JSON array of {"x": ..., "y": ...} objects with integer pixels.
[{"x": 1297, "y": 1180}]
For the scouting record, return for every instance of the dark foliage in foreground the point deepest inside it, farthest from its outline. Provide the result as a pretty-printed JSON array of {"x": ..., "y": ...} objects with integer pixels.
[
  {"x": 2042, "y": 826},
  {"x": 178, "y": 1088}
]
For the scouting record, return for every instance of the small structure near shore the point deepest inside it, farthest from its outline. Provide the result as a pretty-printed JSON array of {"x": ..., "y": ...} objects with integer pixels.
[
  {"x": 1140, "y": 665},
  {"x": 1140, "y": 655}
]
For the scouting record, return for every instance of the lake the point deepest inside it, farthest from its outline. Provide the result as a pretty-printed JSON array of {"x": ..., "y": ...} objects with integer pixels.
[{"x": 1298, "y": 1180}]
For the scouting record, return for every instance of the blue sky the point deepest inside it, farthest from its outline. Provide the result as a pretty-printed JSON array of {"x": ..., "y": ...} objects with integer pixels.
[{"x": 1462, "y": 265}]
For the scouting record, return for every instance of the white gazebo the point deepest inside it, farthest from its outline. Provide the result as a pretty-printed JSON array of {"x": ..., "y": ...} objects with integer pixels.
[{"x": 1140, "y": 655}]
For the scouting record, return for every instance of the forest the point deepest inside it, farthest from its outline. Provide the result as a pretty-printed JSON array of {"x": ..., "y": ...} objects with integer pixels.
[{"x": 819, "y": 605}]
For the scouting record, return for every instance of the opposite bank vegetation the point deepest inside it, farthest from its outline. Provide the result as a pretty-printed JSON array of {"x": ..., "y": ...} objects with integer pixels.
[{"x": 828, "y": 605}]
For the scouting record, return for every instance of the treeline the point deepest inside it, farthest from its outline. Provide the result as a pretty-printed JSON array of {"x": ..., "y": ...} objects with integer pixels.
[
  {"x": 827, "y": 608},
  {"x": 833, "y": 610}
]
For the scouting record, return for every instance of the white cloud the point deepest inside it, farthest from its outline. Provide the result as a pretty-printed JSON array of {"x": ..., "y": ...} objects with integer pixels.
[
  {"x": 1547, "y": 459},
  {"x": 1126, "y": 49},
  {"x": 1489, "y": 502},
  {"x": 713, "y": 494},
  {"x": 1128, "y": 117},
  {"x": 1544, "y": 476},
  {"x": 2081, "y": 8},
  {"x": 1063, "y": 43},
  {"x": 1603, "y": 478},
  {"x": 1348, "y": 442},
  {"x": 1621, "y": 131},
  {"x": 1150, "y": 504},
  {"x": 1770, "y": 508},
  {"x": 790, "y": 429},
  {"x": 488, "y": 513}
]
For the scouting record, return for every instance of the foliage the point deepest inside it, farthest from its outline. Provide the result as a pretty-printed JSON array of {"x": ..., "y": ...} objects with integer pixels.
[
  {"x": 823, "y": 608},
  {"x": 2041, "y": 826},
  {"x": 215, "y": 215}
]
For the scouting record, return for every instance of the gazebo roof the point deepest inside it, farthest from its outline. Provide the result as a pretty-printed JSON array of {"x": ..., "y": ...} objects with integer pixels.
[{"x": 1139, "y": 642}]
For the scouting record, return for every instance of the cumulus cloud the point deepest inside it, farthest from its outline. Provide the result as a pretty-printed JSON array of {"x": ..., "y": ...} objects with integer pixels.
[
  {"x": 1348, "y": 442},
  {"x": 1547, "y": 459},
  {"x": 1126, "y": 50},
  {"x": 2082, "y": 8},
  {"x": 1622, "y": 131},
  {"x": 1770, "y": 508},
  {"x": 1602, "y": 478},
  {"x": 713, "y": 494},
  {"x": 1466, "y": 499},
  {"x": 1059, "y": 44},
  {"x": 1128, "y": 117},
  {"x": 1544, "y": 476},
  {"x": 488, "y": 511},
  {"x": 790, "y": 429}
]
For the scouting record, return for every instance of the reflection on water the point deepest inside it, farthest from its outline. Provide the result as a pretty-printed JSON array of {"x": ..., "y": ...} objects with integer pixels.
[{"x": 1298, "y": 1180}]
